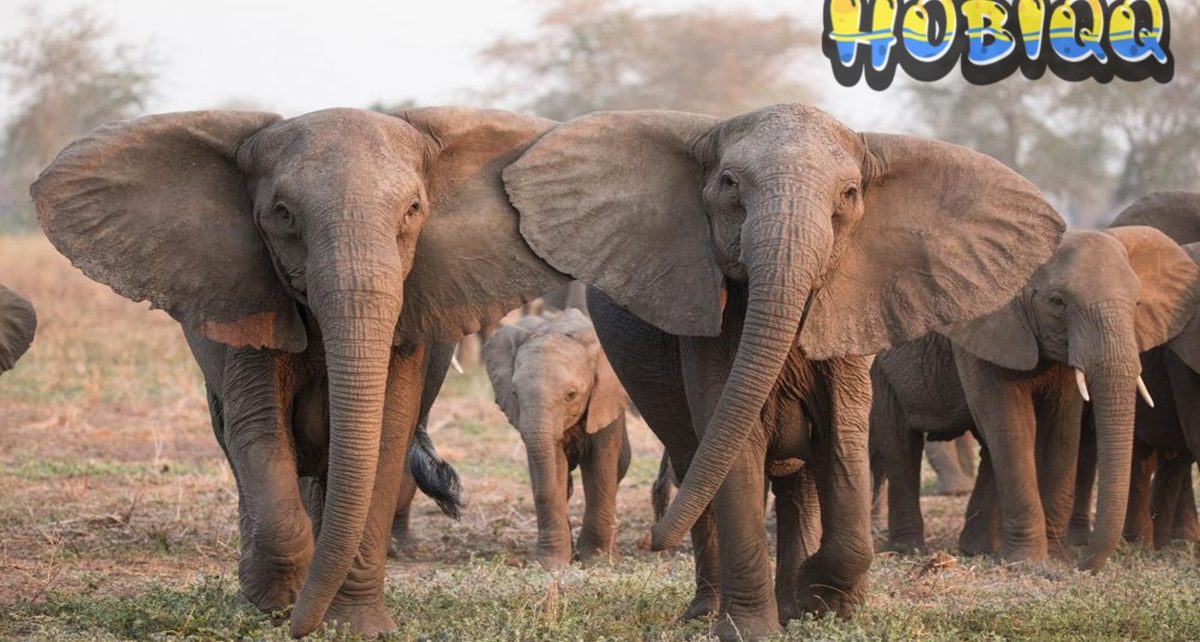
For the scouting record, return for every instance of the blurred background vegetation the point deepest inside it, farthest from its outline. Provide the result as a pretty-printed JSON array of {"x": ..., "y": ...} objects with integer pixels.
[{"x": 1092, "y": 148}]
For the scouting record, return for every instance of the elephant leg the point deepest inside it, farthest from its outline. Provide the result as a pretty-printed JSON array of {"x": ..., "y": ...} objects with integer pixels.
[
  {"x": 402, "y": 541},
  {"x": 951, "y": 480},
  {"x": 359, "y": 601},
  {"x": 798, "y": 534},
  {"x": 1139, "y": 522},
  {"x": 834, "y": 578},
  {"x": 601, "y": 471},
  {"x": 981, "y": 533},
  {"x": 1172, "y": 478},
  {"x": 1057, "y": 453},
  {"x": 660, "y": 491},
  {"x": 906, "y": 525},
  {"x": 647, "y": 361},
  {"x": 1187, "y": 526},
  {"x": 968, "y": 455},
  {"x": 277, "y": 540},
  {"x": 1002, "y": 406},
  {"x": 1080, "y": 526}
]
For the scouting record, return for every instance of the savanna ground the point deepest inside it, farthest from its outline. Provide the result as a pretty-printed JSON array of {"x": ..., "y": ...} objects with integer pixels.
[{"x": 117, "y": 520}]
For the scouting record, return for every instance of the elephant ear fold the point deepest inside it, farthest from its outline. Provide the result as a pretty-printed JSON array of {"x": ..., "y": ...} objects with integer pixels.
[
  {"x": 947, "y": 234},
  {"x": 500, "y": 357},
  {"x": 471, "y": 265},
  {"x": 1002, "y": 337},
  {"x": 1186, "y": 344},
  {"x": 157, "y": 209},
  {"x": 1170, "y": 283},
  {"x": 17, "y": 325},
  {"x": 614, "y": 199}
]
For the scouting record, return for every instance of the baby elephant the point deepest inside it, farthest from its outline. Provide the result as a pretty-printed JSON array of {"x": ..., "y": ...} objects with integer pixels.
[{"x": 555, "y": 385}]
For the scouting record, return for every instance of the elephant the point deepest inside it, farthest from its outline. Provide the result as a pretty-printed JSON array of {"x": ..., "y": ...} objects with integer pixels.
[
  {"x": 1167, "y": 435},
  {"x": 954, "y": 463},
  {"x": 741, "y": 272},
  {"x": 558, "y": 390},
  {"x": 270, "y": 415},
  {"x": 18, "y": 324},
  {"x": 389, "y": 232},
  {"x": 1019, "y": 377}
]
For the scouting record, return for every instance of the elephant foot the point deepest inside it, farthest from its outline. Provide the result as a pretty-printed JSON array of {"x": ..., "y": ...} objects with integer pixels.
[
  {"x": 553, "y": 560},
  {"x": 593, "y": 548},
  {"x": 906, "y": 545},
  {"x": 369, "y": 620},
  {"x": 270, "y": 587},
  {"x": 1026, "y": 553},
  {"x": 973, "y": 542},
  {"x": 401, "y": 544},
  {"x": 1078, "y": 533},
  {"x": 735, "y": 628},
  {"x": 953, "y": 485},
  {"x": 705, "y": 604},
  {"x": 1187, "y": 531},
  {"x": 818, "y": 592}
]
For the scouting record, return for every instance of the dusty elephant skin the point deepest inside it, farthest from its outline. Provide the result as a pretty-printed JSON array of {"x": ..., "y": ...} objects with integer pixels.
[
  {"x": 18, "y": 323},
  {"x": 270, "y": 415},
  {"x": 1167, "y": 436},
  {"x": 741, "y": 269},
  {"x": 558, "y": 390},
  {"x": 1018, "y": 377},
  {"x": 376, "y": 224}
]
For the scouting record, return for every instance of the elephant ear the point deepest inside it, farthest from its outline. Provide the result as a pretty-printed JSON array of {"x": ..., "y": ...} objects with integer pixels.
[
  {"x": 471, "y": 265},
  {"x": 947, "y": 234},
  {"x": 157, "y": 209},
  {"x": 1002, "y": 337},
  {"x": 500, "y": 357},
  {"x": 607, "y": 399},
  {"x": 593, "y": 187},
  {"x": 1170, "y": 284},
  {"x": 1186, "y": 344},
  {"x": 17, "y": 325}
]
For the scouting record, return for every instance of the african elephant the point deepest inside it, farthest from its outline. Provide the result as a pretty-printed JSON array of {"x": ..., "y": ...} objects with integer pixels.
[
  {"x": 558, "y": 390},
  {"x": 270, "y": 415},
  {"x": 1167, "y": 436},
  {"x": 954, "y": 463},
  {"x": 18, "y": 323},
  {"x": 740, "y": 271},
  {"x": 368, "y": 230},
  {"x": 1019, "y": 377}
]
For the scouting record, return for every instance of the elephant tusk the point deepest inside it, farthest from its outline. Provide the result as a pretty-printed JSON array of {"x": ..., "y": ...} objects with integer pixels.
[
  {"x": 1081, "y": 381},
  {"x": 454, "y": 362},
  {"x": 1145, "y": 393}
]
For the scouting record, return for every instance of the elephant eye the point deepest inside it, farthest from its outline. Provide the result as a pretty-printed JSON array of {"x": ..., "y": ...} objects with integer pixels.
[
  {"x": 413, "y": 210},
  {"x": 850, "y": 193},
  {"x": 572, "y": 395},
  {"x": 728, "y": 181},
  {"x": 283, "y": 213},
  {"x": 1056, "y": 300}
]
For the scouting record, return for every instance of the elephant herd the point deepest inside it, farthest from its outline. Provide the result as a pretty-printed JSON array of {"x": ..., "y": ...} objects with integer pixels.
[{"x": 791, "y": 305}]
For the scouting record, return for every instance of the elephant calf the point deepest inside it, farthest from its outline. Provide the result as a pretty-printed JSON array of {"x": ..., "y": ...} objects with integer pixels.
[
  {"x": 557, "y": 388},
  {"x": 17, "y": 325}
]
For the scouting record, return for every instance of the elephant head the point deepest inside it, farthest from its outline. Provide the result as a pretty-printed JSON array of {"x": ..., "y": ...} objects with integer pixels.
[
  {"x": 17, "y": 325},
  {"x": 1101, "y": 300},
  {"x": 554, "y": 383},
  {"x": 1174, "y": 213},
  {"x": 849, "y": 242},
  {"x": 379, "y": 225}
]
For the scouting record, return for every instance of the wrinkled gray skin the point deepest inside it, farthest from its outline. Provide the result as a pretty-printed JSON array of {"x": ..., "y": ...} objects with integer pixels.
[
  {"x": 18, "y": 323},
  {"x": 270, "y": 414},
  {"x": 740, "y": 270},
  {"x": 376, "y": 225},
  {"x": 1167, "y": 437},
  {"x": 558, "y": 390},
  {"x": 1011, "y": 377}
]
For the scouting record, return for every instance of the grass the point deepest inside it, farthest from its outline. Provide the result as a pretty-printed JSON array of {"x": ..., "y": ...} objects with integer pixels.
[{"x": 118, "y": 520}]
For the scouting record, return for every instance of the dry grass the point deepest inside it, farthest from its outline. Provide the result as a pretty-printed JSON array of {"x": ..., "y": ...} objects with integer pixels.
[{"x": 117, "y": 520}]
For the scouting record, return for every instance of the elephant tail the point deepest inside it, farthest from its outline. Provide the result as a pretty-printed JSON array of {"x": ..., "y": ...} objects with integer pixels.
[{"x": 435, "y": 476}]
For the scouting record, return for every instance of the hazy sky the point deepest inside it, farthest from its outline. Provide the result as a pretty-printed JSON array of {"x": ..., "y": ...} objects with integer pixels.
[{"x": 294, "y": 56}]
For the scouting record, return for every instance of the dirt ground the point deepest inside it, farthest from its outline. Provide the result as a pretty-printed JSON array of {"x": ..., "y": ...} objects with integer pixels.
[{"x": 118, "y": 519}]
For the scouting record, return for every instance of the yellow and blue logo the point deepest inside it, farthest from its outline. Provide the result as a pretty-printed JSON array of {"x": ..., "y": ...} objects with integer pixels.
[{"x": 991, "y": 39}]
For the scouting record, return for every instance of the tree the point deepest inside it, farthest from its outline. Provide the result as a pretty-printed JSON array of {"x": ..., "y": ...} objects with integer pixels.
[
  {"x": 65, "y": 81},
  {"x": 589, "y": 55}
]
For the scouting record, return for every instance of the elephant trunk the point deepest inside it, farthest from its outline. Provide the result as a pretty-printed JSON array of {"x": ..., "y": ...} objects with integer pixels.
[
  {"x": 547, "y": 474},
  {"x": 782, "y": 250},
  {"x": 1106, "y": 353},
  {"x": 356, "y": 294}
]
